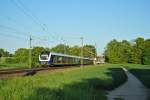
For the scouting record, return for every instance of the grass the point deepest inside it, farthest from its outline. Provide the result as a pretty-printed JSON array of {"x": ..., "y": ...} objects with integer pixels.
[
  {"x": 13, "y": 65},
  {"x": 88, "y": 83}
]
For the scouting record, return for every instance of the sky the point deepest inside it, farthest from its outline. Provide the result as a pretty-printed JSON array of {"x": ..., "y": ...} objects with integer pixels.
[{"x": 50, "y": 22}]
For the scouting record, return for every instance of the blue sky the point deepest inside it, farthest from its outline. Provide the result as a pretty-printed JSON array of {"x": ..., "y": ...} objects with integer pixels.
[{"x": 98, "y": 21}]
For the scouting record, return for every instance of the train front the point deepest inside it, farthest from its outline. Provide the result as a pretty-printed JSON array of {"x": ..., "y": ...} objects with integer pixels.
[{"x": 44, "y": 58}]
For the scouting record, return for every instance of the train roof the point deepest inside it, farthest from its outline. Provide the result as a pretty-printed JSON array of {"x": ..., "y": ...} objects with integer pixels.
[{"x": 65, "y": 55}]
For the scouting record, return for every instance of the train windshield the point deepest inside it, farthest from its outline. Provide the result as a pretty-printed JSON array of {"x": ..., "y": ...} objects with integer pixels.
[{"x": 44, "y": 56}]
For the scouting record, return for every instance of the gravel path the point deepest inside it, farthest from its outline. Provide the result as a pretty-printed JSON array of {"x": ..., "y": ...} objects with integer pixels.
[{"x": 133, "y": 89}]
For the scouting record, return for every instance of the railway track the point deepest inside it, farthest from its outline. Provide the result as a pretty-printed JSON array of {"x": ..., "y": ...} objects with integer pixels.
[{"x": 9, "y": 73}]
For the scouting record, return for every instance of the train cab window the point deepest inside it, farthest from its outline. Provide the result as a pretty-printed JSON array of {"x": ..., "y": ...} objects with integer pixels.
[{"x": 44, "y": 57}]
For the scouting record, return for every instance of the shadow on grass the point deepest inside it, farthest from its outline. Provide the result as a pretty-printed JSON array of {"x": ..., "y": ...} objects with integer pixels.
[
  {"x": 86, "y": 89},
  {"x": 118, "y": 75},
  {"x": 143, "y": 75}
]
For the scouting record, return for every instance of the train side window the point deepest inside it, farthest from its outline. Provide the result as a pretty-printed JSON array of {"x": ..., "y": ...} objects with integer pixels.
[
  {"x": 60, "y": 59},
  {"x": 54, "y": 59}
]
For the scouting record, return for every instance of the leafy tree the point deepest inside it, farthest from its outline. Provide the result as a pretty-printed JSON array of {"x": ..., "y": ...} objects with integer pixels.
[
  {"x": 22, "y": 55},
  {"x": 146, "y": 56},
  {"x": 137, "y": 51},
  {"x": 4, "y": 53},
  {"x": 0, "y": 55},
  {"x": 112, "y": 52},
  {"x": 146, "y": 52},
  {"x": 75, "y": 50},
  {"x": 36, "y": 51},
  {"x": 118, "y": 52},
  {"x": 147, "y": 43},
  {"x": 1, "y": 52},
  {"x": 126, "y": 50},
  {"x": 89, "y": 51},
  {"x": 60, "y": 48}
]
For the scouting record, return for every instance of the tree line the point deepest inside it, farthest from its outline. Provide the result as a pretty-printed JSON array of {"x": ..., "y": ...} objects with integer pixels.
[
  {"x": 21, "y": 55},
  {"x": 136, "y": 51},
  {"x": 4, "y": 53}
]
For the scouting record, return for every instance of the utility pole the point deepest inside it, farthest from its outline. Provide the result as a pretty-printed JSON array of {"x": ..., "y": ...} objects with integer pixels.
[
  {"x": 95, "y": 59},
  {"x": 30, "y": 52},
  {"x": 81, "y": 51},
  {"x": 95, "y": 49},
  {"x": 64, "y": 45}
]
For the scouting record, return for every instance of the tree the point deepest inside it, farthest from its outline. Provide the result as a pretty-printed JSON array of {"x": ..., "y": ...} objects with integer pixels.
[
  {"x": 112, "y": 52},
  {"x": 118, "y": 52},
  {"x": 126, "y": 50},
  {"x": 1, "y": 52},
  {"x": 137, "y": 52},
  {"x": 60, "y": 48},
  {"x": 146, "y": 52},
  {"x": 22, "y": 55},
  {"x": 146, "y": 56},
  {"x": 4, "y": 53},
  {"x": 36, "y": 51},
  {"x": 89, "y": 51},
  {"x": 75, "y": 50}
]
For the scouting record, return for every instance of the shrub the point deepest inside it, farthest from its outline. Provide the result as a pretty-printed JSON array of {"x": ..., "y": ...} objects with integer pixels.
[{"x": 10, "y": 60}]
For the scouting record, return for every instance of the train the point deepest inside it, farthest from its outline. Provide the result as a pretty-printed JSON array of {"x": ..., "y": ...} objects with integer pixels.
[{"x": 58, "y": 59}]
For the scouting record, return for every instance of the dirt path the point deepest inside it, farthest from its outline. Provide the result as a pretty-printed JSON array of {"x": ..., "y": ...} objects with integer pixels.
[{"x": 133, "y": 89}]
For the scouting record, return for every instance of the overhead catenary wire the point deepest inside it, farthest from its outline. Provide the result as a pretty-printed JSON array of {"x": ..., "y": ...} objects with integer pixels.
[
  {"x": 32, "y": 16},
  {"x": 13, "y": 29},
  {"x": 35, "y": 20},
  {"x": 24, "y": 9},
  {"x": 27, "y": 14},
  {"x": 14, "y": 21},
  {"x": 12, "y": 36},
  {"x": 18, "y": 32}
]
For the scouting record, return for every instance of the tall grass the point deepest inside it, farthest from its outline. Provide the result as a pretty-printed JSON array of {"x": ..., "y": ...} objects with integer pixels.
[
  {"x": 88, "y": 83},
  {"x": 13, "y": 65}
]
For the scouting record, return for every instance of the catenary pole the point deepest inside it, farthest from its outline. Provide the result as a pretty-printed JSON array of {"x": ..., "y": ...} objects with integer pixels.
[
  {"x": 30, "y": 51},
  {"x": 81, "y": 51}
]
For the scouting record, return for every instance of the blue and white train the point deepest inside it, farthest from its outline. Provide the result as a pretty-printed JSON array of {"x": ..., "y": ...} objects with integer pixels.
[{"x": 57, "y": 59}]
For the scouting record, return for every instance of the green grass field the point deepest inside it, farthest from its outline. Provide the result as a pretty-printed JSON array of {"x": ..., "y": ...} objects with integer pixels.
[
  {"x": 11, "y": 66},
  {"x": 88, "y": 83}
]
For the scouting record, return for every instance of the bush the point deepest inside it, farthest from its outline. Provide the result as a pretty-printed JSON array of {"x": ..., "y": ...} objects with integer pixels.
[{"x": 10, "y": 60}]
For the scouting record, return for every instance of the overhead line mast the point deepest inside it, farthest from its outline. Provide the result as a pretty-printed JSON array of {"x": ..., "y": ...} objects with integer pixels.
[
  {"x": 30, "y": 52},
  {"x": 81, "y": 51}
]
